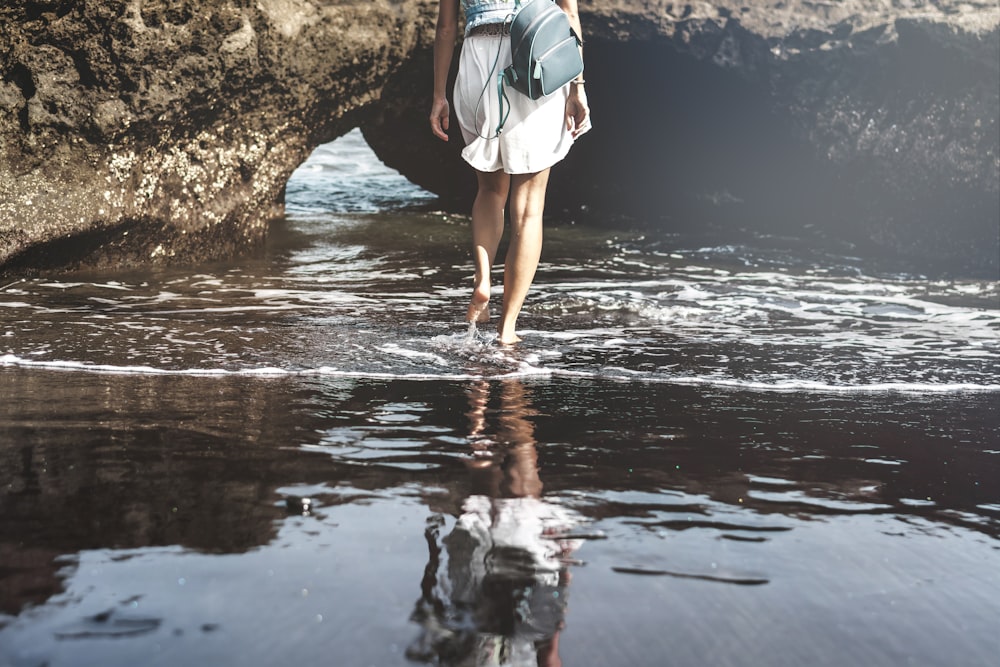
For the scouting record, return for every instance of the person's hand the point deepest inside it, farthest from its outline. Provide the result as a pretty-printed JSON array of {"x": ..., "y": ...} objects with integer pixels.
[
  {"x": 440, "y": 112},
  {"x": 577, "y": 111}
]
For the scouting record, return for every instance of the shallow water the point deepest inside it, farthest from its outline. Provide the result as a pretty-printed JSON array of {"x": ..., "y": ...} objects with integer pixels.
[{"x": 705, "y": 452}]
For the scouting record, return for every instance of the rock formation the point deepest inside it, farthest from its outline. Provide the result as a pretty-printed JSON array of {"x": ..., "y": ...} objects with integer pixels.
[{"x": 157, "y": 131}]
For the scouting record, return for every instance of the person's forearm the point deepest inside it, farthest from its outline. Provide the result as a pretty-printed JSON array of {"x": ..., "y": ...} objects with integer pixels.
[
  {"x": 570, "y": 7},
  {"x": 444, "y": 48}
]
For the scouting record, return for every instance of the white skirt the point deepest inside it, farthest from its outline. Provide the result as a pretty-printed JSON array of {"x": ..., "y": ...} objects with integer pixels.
[{"x": 534, "y": 136}]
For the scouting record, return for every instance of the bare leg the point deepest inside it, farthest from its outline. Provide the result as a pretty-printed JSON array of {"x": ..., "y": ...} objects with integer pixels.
[
  {"x": 527, "y": 202},
  {"x": 487, "y": 229}
]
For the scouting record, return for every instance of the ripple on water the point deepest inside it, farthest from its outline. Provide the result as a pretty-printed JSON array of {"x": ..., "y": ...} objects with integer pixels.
[{"x": 381, "y": 295}]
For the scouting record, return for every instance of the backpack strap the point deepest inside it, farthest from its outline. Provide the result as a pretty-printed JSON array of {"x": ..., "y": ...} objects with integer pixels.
[
  {"x": 502, "y": 96},
  {"x": 501, "y": 91}
]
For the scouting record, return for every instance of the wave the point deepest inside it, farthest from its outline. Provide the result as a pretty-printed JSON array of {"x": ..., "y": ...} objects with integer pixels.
[{"x": 522, "y": 371}]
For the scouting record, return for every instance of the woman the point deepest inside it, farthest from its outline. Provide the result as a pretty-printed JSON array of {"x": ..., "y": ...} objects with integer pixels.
[{"x": 514, "y": 163}]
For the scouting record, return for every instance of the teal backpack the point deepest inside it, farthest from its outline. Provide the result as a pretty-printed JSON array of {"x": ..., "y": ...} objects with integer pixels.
[
  {"x": 545, "y": 54},
  {"x": 545, "y": 51}
]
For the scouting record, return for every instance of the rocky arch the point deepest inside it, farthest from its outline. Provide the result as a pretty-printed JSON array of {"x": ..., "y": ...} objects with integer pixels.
[{"x": 163, "y": 131}]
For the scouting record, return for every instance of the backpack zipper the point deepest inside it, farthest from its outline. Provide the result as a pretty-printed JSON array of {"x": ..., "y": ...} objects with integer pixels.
[{"x": 536, "y": 71}]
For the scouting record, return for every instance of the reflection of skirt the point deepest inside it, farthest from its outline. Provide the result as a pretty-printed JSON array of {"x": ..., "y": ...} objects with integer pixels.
[{"x": 535, "y": 135}]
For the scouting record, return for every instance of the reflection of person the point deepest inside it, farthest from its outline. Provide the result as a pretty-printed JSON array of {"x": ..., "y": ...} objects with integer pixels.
[
  {"x": 514, "y": 162},
  {"x": 496, "y": 593}
]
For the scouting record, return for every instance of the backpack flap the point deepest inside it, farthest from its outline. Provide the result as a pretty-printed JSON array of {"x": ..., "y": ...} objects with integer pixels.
[{"x": 557, "y": 66}]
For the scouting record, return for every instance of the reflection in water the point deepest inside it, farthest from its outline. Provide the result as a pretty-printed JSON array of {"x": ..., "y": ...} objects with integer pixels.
[
  {"x": 165, "y": 513},
  {"x": 495, "y": 588}
]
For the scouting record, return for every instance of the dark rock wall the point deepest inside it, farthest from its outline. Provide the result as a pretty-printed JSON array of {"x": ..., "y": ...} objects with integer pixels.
[
  {"x": 873, "y": 123},
  {"x": 154, "y": 131}
]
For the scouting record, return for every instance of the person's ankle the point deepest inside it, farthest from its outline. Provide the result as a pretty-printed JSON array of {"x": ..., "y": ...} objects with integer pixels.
[{"x": 507, "y": 335}]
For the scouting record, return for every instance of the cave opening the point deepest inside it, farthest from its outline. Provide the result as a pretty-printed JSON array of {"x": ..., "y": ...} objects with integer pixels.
[{"x": 346, "y": 175}]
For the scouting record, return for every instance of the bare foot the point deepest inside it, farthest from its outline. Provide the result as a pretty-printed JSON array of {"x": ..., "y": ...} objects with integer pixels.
[
  {"x": 509, "y": 340},
  {"x": 478, "y": 312},
  {"x": 479, "y": 307},
  {"x": 507, "y": 330}
]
